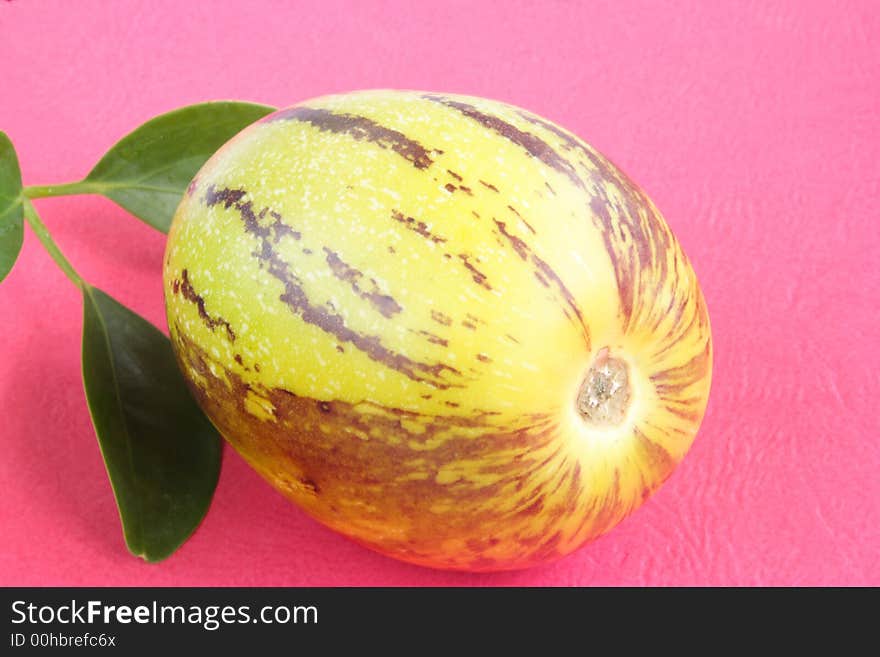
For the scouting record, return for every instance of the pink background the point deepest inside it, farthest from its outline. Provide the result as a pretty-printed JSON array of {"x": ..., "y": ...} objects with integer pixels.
[{"x": 754, "y": 126}]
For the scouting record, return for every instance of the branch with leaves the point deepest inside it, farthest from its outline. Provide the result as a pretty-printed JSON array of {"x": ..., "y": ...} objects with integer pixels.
[{"x": 161, "y": 453}]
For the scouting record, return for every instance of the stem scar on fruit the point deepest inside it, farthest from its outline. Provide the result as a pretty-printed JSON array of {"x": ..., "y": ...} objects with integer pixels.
[{"x": 604, "y": 397}]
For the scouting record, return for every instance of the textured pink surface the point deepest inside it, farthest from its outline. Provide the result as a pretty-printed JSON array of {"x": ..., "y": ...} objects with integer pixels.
[{"x": 754, "y": 127}]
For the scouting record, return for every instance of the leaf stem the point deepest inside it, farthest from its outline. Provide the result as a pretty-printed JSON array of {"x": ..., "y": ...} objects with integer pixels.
[
  {"x": 62, "y": 189},
  {"x": 42, "y": 233}
]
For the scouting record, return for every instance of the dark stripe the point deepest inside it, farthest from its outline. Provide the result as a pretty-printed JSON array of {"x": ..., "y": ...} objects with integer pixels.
[
  {"x": 359, "y": 128},
  {"x": 574, "y": 490},
  {"x": 532, "y": 144},
  {"x": 384, "y": 303},
  {"x": 631, "y": 253},
  {"x": 441, "y": 318},
  {"x": 432, "y": 338},
  {"x": 521, "y": 248},
  {"x": 534, "y": 508},
  {"x": 449, "y": 187},
  {"x": 694, "y": 369},
  {"x": 548, "y": 272},
  {"x": 609, "y": 510},
  {"x": 569, "y": 142},
  {"x": 527, "y": 224},
  {"x": 296, "y": 299},
  {"x": 185, "y": 287},
  {"x": 478, "y": 276},
  {"x": 679, "y": 330},
  {"x": 672, "y": 299},
  {"x": 419, "y": 227},
  {"x": 561, "y": 474},
  {"x": 227, "y": 197},
  {"x": 675, "y": 379},
  {"x": 618, "y": 253},
  {"x": 657, "y": 457},
  {"x": 691, "y": 416},
  {"x": 544, "y": 272},
  {"x": 549, "y": 547},
  {"x": 275, "y": 230}
]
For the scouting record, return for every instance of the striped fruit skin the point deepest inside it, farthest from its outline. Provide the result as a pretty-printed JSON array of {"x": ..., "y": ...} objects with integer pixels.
[{"x": 387, "y": 302}]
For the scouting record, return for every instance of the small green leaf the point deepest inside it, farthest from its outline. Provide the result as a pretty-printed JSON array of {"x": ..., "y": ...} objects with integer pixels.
[
  {"x": 11, "y": 225},
  {"x": 148, "y": 170},
  {"x": 162, "y": 454}
]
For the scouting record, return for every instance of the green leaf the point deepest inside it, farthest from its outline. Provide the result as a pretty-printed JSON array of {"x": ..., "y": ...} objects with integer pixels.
[
  {"x": 148, "y": 170},
  {"x": 162, "y": 454},
  {"x": 11, "y": 224}
]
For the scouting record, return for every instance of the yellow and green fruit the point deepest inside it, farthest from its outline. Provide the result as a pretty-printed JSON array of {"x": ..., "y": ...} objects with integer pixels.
[{"x": 442, "y": 325}]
